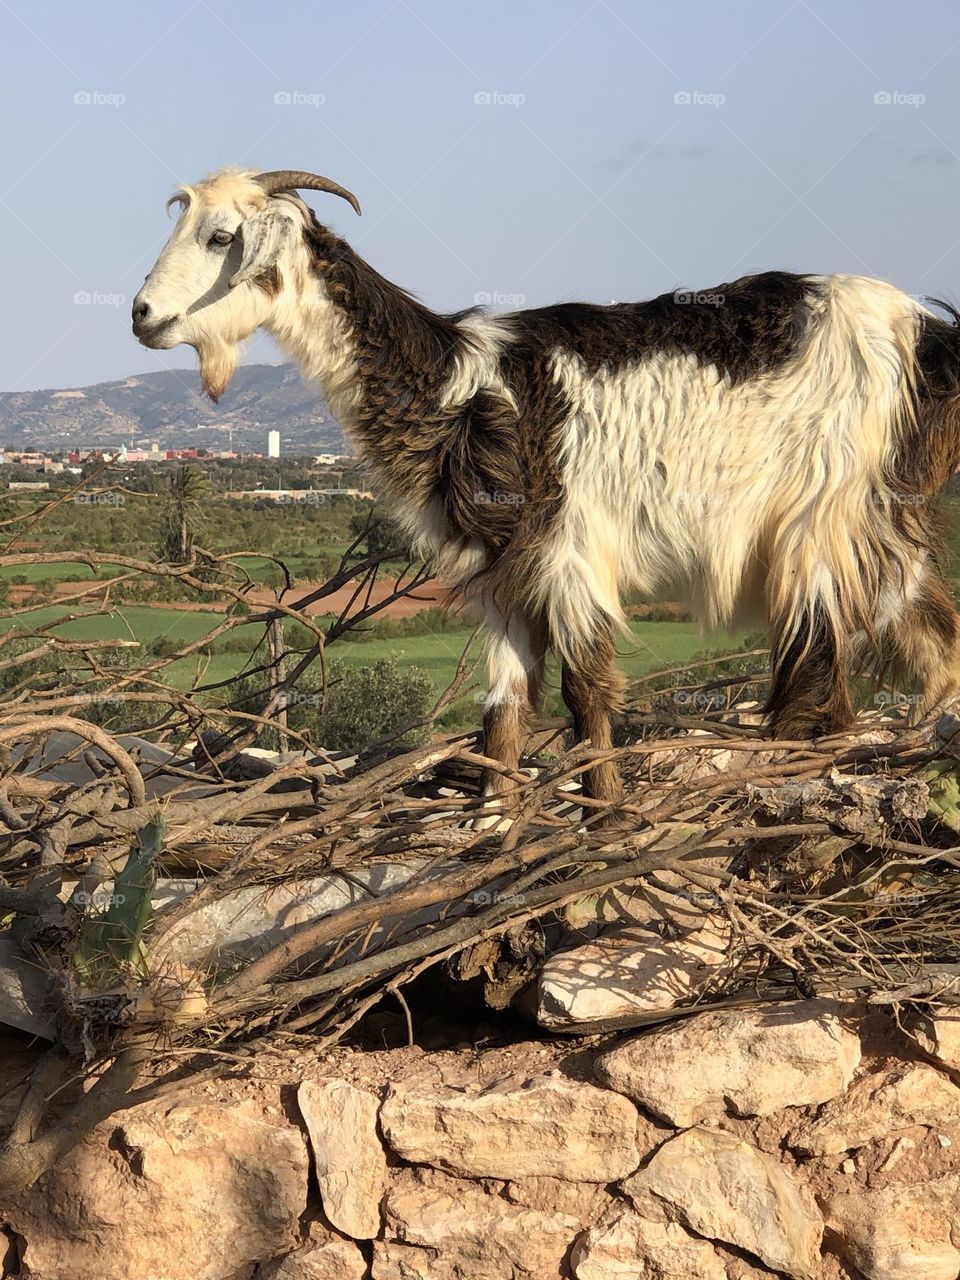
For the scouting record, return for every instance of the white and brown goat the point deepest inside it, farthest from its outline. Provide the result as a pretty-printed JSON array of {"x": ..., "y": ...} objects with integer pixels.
[{"x": 776, "y": 444}]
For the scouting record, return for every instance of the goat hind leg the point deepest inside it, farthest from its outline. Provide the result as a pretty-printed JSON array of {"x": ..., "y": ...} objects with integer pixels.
[
  {"x": 593, "y": 689},
  {"x": 921, "y": 646}
]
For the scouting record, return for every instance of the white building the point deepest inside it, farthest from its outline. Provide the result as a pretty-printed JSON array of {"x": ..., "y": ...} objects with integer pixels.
[{"x": 273, "y": 444}]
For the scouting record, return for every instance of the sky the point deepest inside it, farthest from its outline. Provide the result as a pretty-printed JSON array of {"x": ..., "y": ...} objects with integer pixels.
[{"x": 512, "y": 152}]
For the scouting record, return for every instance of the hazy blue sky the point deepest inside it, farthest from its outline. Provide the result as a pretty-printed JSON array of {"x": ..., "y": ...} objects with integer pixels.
[{"x": 583, "y": 177}]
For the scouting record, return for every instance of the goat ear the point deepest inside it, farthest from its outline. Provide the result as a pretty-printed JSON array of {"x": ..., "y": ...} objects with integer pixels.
[{"x": 264, "y": 238}]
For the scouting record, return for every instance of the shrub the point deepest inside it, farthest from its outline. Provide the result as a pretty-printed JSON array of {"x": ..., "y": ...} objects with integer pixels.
[
  {"x": 367, "y": 703},
  {"x": 163, "y": 647},
  {"x": 364, "y": 704}
]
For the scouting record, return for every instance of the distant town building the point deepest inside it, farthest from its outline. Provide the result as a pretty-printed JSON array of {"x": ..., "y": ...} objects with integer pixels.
[
  {"x": 25, "y": 459},
  {"x": 135, "y": 455},
  {"x": 273, "y": 444},
  {"x": 27, "y": 486},
  {"x": 309, "y": 497}
]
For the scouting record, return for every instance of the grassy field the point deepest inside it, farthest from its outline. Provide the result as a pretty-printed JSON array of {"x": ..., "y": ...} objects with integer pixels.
[
  {"x": 130, "y": 622},
  {"x": 60, "y": 571},
  {"x": 649, "y": 646},
  {"x": 258, "y": 567}
]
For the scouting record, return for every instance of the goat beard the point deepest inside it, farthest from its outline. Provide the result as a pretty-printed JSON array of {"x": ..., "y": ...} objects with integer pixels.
[{"x": 218, "y": 363}]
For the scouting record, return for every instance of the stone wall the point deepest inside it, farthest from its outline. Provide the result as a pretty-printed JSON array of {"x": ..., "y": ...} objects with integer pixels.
[{"x": 812, "y": 1139}]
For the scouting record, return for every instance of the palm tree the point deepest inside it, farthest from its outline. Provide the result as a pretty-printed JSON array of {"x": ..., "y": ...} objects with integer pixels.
[{"x": 188, "y": 486}]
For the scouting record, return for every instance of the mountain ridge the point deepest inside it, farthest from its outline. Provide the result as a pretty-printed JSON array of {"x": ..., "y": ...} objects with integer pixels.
[{"x": 167, "y": 405}]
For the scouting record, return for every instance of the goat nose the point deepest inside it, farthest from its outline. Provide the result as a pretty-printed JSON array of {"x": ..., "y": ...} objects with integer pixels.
[{"x": 140, "y": 310}]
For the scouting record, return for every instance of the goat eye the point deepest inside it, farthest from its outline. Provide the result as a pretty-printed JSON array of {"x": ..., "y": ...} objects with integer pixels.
[{"x": 220, "y": 237}]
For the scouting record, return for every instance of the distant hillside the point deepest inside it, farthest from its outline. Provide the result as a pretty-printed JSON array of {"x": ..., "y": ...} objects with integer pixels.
[{"x": 168, "y": 406}]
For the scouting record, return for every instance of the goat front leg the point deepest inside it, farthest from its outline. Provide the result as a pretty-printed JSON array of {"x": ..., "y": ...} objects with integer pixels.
[
  {"x": 515, "y": 660},
  {"x": 592, "y": 688}
]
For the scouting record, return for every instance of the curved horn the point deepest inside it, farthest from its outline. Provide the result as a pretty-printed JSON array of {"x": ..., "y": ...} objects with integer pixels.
[{"x": 298, "y": 180}]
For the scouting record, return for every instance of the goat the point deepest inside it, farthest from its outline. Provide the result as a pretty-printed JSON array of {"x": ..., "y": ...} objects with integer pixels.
[{"x": 773, "y": 448}]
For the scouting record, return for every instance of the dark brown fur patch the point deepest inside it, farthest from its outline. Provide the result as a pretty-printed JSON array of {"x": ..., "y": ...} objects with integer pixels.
[
  {"x": 743, "y": 328},
  {"x": 491, "y": 470},
  {"x": 268, "y": 281},
  {"x": 928, "y": 449},
  {"x": 808, "y": 692},
  {"x": 592, "y": 688}
]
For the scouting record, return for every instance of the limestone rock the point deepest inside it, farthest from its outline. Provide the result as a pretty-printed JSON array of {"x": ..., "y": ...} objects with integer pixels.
[
  {"x": 24, "y": 992},
  {"x": 901, "y": 1233},
  {"x": 754, "y": 1061},
  {"x": 472, "y": 1235},
  {"x": 349, "y": 1159},
  {"x": 629, "y": 971},
  {"x": 940, "y": 1037},
  {"x": 635, "y": 1248},
  {"x": 588, "y": 1202},
  {"x": 651, "y": 901},
  {"x": 725, "y": 1189},
  {"x": 324, "y": 1256},
  {"x": 392, "y": 1261},
  {"x": 546, "y": 1126},
  {"x": 189, "y": 1192},
  {"x": 879, "y": 1105}
]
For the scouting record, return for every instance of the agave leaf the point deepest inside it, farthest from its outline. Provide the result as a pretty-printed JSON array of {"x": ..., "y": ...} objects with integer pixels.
[
  {"x": 113, "y": 940},
  {"x": 944, "y": 788}
]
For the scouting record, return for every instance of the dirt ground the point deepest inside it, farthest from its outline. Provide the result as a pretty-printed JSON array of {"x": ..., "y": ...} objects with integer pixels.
[{"x": 431, "y": 595}]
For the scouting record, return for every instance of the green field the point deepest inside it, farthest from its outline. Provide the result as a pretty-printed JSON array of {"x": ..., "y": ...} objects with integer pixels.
[
  {"x": 257, "y": 567},
  {"x": 650, "y": 646},
  {"x": 61, "y": 571}
]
